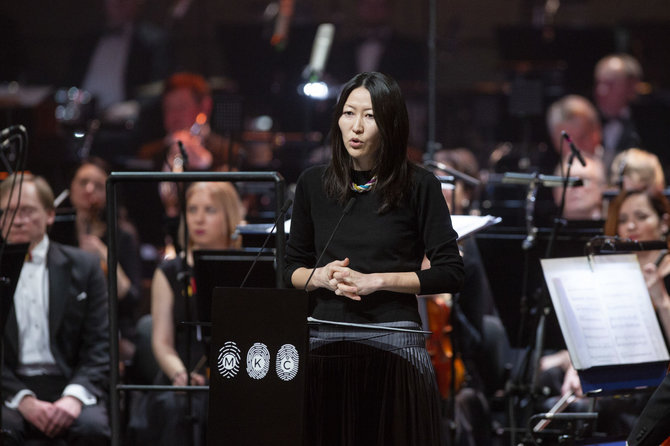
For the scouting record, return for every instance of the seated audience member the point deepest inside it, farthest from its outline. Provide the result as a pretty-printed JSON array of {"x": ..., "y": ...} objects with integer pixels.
[
  {"x": 583, "y": 202},
  {"x": 635, "y": 169},
  {"x": 89, "y": 199},
  {"x": 213, "y": 211},
  {"x": 56, "y": 360},
  {"x": 616, "y": 77}
]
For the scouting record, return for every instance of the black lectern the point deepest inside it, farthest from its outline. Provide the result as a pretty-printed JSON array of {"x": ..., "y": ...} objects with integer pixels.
[{"x": 258, "y": 364}]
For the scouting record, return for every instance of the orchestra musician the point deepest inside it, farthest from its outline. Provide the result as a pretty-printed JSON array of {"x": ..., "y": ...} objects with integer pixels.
[
  {"x": 213, "y": 211},
  {"x": 88, "y": 198}
]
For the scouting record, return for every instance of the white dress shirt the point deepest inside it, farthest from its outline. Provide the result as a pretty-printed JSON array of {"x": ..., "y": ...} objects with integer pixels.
[{"x": 31, "y": 305}]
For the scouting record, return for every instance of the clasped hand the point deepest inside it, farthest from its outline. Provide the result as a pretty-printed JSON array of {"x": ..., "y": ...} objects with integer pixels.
[
  {"x": 51, "y": 418},
  {"x": 344, "y": 281}
]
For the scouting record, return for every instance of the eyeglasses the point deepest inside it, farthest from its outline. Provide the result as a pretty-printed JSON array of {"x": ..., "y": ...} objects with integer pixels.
[{"x": 22, "y": 212}]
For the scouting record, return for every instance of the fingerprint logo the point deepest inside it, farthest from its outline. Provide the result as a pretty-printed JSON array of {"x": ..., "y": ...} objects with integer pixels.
[
  {"x": 258, "y": 361},
  {"x": 229, "y": 360},
  {"x": 287, "y": 362}
]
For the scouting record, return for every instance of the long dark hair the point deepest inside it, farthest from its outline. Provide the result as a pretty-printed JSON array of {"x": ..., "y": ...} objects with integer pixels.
[{"x": 392, "y": 168}]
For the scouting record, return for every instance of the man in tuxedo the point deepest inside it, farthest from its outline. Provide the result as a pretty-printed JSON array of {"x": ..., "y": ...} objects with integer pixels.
[
  {"x": 55, "y": 373},
  {"x": 616, "y": 78}
]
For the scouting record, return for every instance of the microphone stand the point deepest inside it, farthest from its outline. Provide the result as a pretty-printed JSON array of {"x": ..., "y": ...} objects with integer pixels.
[
  {"x": 516, "y": 386},
  {"x": 543, "y": 302}
]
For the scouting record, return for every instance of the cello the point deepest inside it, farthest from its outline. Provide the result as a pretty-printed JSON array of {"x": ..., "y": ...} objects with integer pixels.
[{"x": 449, "y": 368}]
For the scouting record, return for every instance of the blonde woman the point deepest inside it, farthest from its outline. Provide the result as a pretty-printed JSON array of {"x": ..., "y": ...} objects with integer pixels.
[
  {"x": 213, "y": 211},
  {"x": 636, "y": 169}
]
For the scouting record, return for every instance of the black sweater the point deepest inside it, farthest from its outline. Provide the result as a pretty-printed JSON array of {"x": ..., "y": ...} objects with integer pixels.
[{"x": 395, "y": 241}]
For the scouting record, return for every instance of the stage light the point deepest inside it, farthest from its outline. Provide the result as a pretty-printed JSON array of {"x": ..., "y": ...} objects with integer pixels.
[{"x": 315, "y": 90}]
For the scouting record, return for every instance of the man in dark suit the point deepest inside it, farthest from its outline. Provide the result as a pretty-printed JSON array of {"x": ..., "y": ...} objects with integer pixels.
[
  {"x": 55, "y": 374},
  {"x": 653, "y": 425},
  {"x": 616, "y": 79}
]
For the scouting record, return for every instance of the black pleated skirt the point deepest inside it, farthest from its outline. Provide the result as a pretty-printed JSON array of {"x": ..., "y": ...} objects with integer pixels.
[{"x": 371, "y": 387}]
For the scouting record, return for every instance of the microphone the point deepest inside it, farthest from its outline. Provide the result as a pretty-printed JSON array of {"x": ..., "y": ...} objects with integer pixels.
[
  {"x": 283, "y": 210},
  {"x": 573, "y": 148},
  {"x": 320, "y": 49},
  {"x": 184, "y": 155},
  {"x": 346, "y": 210}
]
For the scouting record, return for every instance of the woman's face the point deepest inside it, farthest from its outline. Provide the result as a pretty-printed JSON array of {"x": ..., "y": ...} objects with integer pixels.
[
  {"x": 639, "y": 221},
  {"x": 360, "y": 133},
  {"x": 87, "y": 191},
  {"x": 206, "y": 220}
]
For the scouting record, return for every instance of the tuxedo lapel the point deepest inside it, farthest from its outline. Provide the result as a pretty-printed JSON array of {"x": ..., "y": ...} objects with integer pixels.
[
  {"x": 12, "y": 333},
  {"x": 59, "y": 274}
]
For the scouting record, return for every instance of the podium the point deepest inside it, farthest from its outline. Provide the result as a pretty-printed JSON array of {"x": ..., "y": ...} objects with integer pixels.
[{"x": 258, "y": 363}]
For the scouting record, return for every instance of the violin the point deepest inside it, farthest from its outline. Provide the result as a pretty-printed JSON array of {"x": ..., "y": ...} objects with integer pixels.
[{"x": 440, "y": 348}]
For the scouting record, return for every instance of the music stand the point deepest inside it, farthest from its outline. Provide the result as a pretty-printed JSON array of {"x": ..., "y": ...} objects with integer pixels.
[
  {"x": 606, "y": 315},
  {"x": 257, "y": 385},
  {"x": 616, "y": 345}
]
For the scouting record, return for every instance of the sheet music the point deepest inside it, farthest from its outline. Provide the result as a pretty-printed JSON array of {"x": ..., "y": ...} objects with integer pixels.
[
  {"x": 604, "y": 310},
  {"x": 466, "y": 225}
]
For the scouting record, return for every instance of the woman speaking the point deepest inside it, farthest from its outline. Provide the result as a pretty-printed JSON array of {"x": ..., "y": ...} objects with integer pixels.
[{"x": 368, "y": 218}]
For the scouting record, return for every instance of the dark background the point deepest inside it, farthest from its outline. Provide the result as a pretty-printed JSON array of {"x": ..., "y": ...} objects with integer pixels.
[{"x": 487, "y": 53}]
